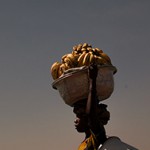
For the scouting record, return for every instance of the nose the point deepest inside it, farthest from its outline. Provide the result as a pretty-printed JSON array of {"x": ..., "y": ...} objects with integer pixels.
[{"x": 76, "y": 120}]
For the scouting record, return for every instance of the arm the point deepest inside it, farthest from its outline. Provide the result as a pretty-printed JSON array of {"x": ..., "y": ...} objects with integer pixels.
[{"x": 92, "y": 103}]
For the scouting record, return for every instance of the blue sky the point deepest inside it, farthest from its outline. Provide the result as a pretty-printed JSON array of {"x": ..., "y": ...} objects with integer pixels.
[{"x": 34, "y": 34}]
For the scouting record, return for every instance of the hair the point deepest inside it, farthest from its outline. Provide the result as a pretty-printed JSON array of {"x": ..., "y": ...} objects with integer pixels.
[{"x": 103, "y": 115}]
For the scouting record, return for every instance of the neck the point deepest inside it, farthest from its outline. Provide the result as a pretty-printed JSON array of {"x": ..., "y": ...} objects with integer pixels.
[{"x": 87, "y": 133}]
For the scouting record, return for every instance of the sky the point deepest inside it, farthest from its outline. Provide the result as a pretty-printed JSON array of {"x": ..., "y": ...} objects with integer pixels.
[{"x": 36, "y": 33}]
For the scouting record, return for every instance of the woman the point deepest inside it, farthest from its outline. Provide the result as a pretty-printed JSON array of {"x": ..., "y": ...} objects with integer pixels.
[{"x": 95, "y": 134}]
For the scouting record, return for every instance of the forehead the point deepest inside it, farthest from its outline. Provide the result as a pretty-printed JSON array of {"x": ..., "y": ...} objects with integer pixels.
[{"x": 79, "y": 110}]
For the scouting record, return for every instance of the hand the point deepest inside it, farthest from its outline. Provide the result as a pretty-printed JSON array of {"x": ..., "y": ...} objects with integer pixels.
[{"x": 93, "y": 71}]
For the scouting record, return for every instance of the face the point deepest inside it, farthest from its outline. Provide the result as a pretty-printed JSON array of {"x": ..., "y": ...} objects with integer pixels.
[{"x": 81, "y": 121}]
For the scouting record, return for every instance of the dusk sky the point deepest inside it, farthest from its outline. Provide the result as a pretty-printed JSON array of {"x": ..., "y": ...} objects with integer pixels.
[{"x": 36, "y": 33}]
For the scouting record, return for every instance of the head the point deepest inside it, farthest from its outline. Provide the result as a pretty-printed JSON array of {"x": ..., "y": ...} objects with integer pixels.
[{"x": 81, "y": 120}]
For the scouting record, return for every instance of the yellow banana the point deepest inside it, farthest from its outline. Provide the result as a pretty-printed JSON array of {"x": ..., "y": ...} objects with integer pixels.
[
  {"x": 91, "y": 57},
  {"x": 86, "y": 60},
  {"x": 66, "y": 66},
  {"x": 79, "y": 47},
  {"x": 89, "y": 49},
  {"x": 63, "y": 57},
  {"x": 85, "y": 45},
  {"x": 73, "y": 59},
  {"x": 60, "y": 72},
  {"x": 75, "y": 54},
  {"x": 106, "y": 57},
  {"x": 99, "y": 50},
  {"x": 62, "y": 68},
  {"x": 54, "y": 70},
  {"x": 84, "y": 50},
  {"x": 80, "y": 59},
  {"x": 75, "y": 48},
  {"x": 71, "y": 56},
  {"x": 95, "y": 51},
  {"x": 99, "y": 60},
  {"x": 68, "y": 61},
  {"x": 82, "y": 54}
]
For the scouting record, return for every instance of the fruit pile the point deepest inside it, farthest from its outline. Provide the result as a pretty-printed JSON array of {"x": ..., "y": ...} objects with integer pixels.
[{"x": 82, "y": 55}]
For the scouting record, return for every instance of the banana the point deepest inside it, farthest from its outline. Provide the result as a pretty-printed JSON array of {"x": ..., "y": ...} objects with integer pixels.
[
  {"x": 73, "y": 59},
  {"x": 89, "y": 49},
  {"x": 83, "y": 50},
  {"x": 99, "y": 50},
  {"x": 63, "y": 57},
  {"x": 91, "y": 58},
  {"x": 80, "y": 59},
  {"x": 66, "y": 66},
  {"x": 79, "y": 47},
  {"x": 81, "y": 55},
  {"x": 106, "y": 57},
  {"x": 95, "y": 51},
  {"x": 86, "y": 60},
  {"x": 60, "y": 72},
  {"x": 85, "y": 45},
  {"x": 63, "y": 67},
  {"x": 99, "y": 60},
  {"x": 68, "y": 61},
  {"x": 75, "y": 53},
  {"x": 75, "y": 48},
  {"x": 54, "y": 70},
  {"x": 71, "y": 56}
]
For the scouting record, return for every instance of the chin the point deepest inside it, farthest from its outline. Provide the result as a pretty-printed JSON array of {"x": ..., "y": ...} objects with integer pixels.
[{"x": 80, "y": 130}]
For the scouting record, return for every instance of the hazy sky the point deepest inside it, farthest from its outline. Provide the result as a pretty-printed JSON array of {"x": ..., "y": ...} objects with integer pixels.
[{"x": 36, "y": 33}]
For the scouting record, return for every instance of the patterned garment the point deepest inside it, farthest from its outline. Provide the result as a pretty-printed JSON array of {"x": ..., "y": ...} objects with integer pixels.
[{"x": 89, "y": 143}]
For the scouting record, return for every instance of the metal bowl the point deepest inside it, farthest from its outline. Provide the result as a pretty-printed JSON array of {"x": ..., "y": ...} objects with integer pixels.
[{"x": 74, "y": 86}]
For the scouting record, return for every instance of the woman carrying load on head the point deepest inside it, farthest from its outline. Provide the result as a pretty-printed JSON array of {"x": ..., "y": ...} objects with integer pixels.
[{"x": 95, "y": 135}]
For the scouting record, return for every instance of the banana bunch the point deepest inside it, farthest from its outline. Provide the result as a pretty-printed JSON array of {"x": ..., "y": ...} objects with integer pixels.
[
  {"x": 67, "y": 61},
  {"x": 82, "y": 55},
  {"x": 89, "y": 55}
]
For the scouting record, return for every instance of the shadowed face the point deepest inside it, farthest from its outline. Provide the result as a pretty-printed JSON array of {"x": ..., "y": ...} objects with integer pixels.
[{"x": 81, "y": 121}]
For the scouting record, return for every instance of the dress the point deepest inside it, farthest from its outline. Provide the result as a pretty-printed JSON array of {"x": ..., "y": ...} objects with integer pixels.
[{"x": 89, "y": 143}]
